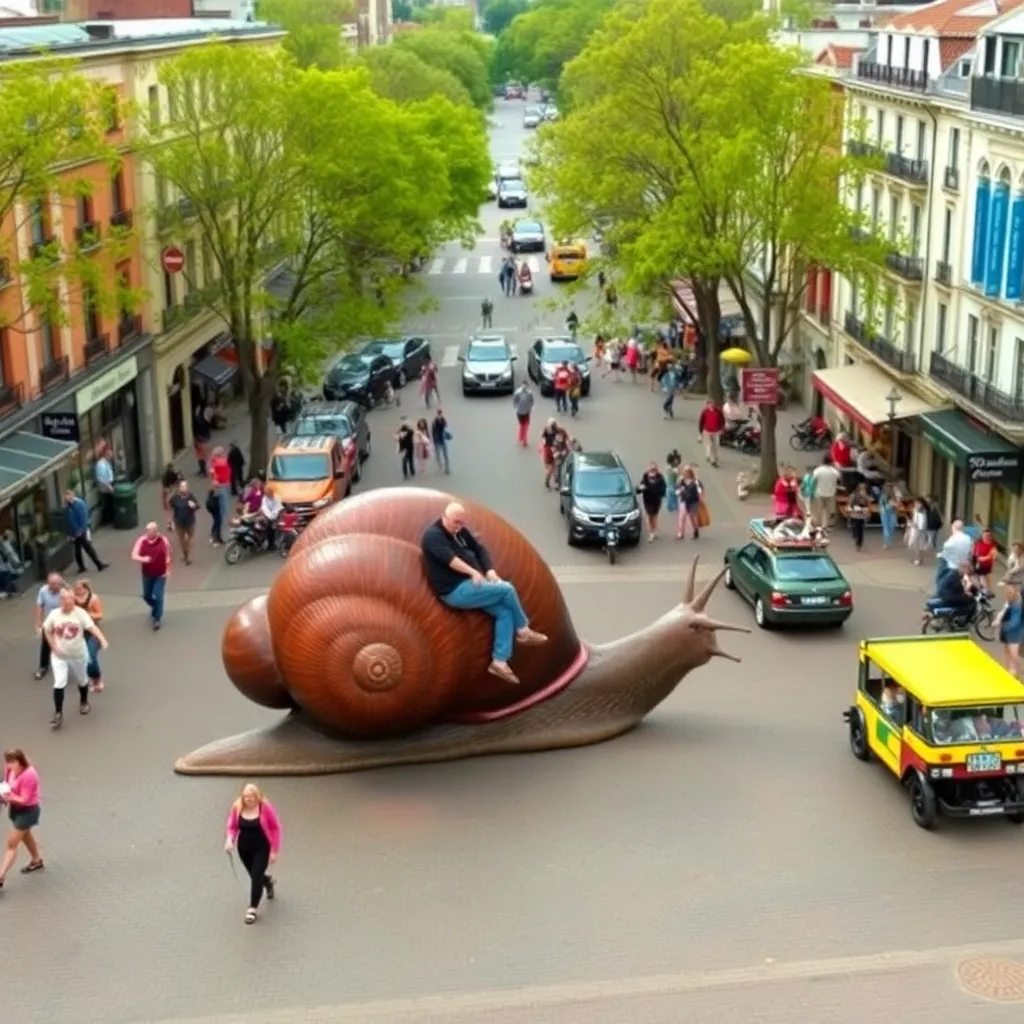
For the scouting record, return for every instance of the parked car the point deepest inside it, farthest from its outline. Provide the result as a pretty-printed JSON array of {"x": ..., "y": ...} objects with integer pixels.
[
  {"x": 512, "y": 192},
  {"x": 597, "y": 494},
  {"x": 364, "y": 379},
  {"x": 409, "y": 355},
  {"x": 547, "y": 354},
  {"x": 532, "y": 117},
  {"x": 514, "y": 91},
  {"x": 344, "y": 420},
  {"x": 308, "y": 474},
  {"x": 487, "y": 366},
  {"x": 528, "y": 236}
]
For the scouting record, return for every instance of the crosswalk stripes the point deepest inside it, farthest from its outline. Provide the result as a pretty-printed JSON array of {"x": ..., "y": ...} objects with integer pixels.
[
  {"x": 436, "y": 267},
  {"x": 479, "y": 265},
  {"x": 450, "y": 356},
  {"x": 461, "y": 265},
  {"x": 485, "y": 265}
]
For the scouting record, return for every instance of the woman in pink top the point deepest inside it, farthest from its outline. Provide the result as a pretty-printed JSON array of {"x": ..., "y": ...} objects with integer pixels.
[
  {"x": 254, "y": 829},
  {"x": 20, "y": 792}
]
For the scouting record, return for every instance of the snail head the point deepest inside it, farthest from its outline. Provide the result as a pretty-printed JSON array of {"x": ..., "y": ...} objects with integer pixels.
[{"x": 702, "y": 631}]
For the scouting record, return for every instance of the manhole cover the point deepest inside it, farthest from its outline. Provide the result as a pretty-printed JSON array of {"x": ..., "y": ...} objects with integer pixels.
[{"x": 1001, "y": 980}]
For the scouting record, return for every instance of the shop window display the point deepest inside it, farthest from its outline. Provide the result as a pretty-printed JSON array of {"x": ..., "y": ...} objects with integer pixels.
[
  {"x": 999, "y": 516},
  {"x": 29, "y": 530}
]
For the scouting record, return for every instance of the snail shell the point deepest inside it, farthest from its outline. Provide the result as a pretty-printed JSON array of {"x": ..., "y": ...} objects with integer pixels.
[{"x": 361, "y": 643}]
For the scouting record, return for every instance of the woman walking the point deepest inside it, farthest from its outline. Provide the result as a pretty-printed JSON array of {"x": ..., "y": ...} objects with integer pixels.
[
  {"x": 428, "y": 382},
  {"x": 652, "y": 493},
  {"x": 786, "y": 494},
  {"x": 169, "y": 484},
  {"x": 1011, "y": 628},
  {"x": 548, "y": 440},
  {"x": 89, "y": 602},
  {"x": 984, "y": 557},
  {"x": 213, "y": 506},
  {"x": 440, "y": 435},
  {"x": 254, "y": 830},
  {"x": 919, "y": 534},
  {"x": 20, "y": 792},
  {"x": 423, "y": 443},
  {"x": 858, "y": 512},
  {"x": 690, "y": 492},
  {"x": 887, "y": 513}
]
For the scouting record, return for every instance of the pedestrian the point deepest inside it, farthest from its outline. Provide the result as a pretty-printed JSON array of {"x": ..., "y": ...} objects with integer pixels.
[
  {"x": 405, "y": 438},
  {"x": 1011, "y": 627},
  {"x": 826, "y": 486},
  {"x": 10, "y": 569},
  {"x": 632, "y": 358},
  {"x": 888, "y": 513},
  {"x": 47, "y": 600},
  {"x": 786, "y": 495},
  {"x": 183, "y": 513},
  {"x": 917, "y": 533},
  {"x": 280, "y": 410},
  {"x": 660, "y": 363},
  {"x": 670, "y": 388},
  {"x": 807, "y": 494},
  {"x": 440, "y": 435},
  {"x": 574, "y": 390},
  {"x": 572, "y": 323},
  {"x": 984, "y": 557},
  {"x": 935, "y": 522},
  {"x": 201, "y": 434},
  {"x": 487, "y": 314},
  {"x": 79, "y": 530},
  {"x": 548, "y": 443},
  {"x": 153, "y": 553},
  {"x": 611, "y": 296},
  {"x": 560, "y": 386},
  {"x": 709, "y": 429},
  {"x": 859, "y": 511},
  {"x": 958, "y": 549},
  {"x": 428, "y": 382},
  {"x": 220, "y": 474},
  {"x": 652, "y": 493},
  {"x": 602, "y": 280},
  {"x": 1015, "y": 562},
  {"x": 66, "y": 629},
  {"x": 236, "y": 463},
  {"x": 522, "y": 403},
  {"x": 614, "y": 359},
  {"x": 216, "y": 520},
  {"x": 87, "y": 599},
  {"x": 168, "y": 486},
  {"x": 690, "y": 492},
  {"x": 20, "y": 792},
  {"x": 103, "y": 475},
  {"x": 254, "y": 830},
  {"x": 422, "y": 434}
]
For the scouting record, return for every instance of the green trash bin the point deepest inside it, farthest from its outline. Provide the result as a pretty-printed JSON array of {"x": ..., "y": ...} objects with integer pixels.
[{"x": 126, "y": 505}]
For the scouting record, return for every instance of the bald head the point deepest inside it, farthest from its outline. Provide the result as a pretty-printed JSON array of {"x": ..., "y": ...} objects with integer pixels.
[{"x": 454, "y": 517}]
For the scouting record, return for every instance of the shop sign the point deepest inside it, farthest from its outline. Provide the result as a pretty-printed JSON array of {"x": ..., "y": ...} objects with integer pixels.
[
  {"x": 59, "y": 426},
  {"x": 1002, "y": 468},
  {"x": 105, "y": 385},
  {"x": 760, "y": 386}
]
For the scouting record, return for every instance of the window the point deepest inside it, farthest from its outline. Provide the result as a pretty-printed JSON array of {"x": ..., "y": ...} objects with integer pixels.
[
  {"x": 894, "y": 218},
  {"x": 50, "y": 335},
  {"x": 5, "y": 373},
  {"x": 909, "y": 326},
  {"x": 972, "y": 343},
  {"x": 1010, "y": 64},
  {"x": 915, "y": 229},
  {"x": 926, "y": 56},
  {"x": 991, "y": 351},
  {"x": 209, "y": 269},
  {"x": 111, "y": 110},
  {"x": 84, "y": 204},
  {"x": 990, "y": 56},
  {"x": 172, "y": 105},
  {"x": 880, "y": 127},
  {"x": 965, "y": 68},
  {"x": 922, "y": 139},
  {"x": 161, "y": 191},
  {"x": 862, "y": 116},
  {"x": 940, "y": 328},
  {"x": 37, "y": 222},
  {"x": 1018, "y": 370},
  {"x": 947, "y": 234},
  {"x": 811, "y": 293},
  {"x": 889, "y": 319},
  {"x": 168, "y": 290},
  {"x": 90, "y": 314},
  {"x": 191, "y": 275},
  {"x": 953, "y": 160},
  {"x": 154, "y": 105},
  {"x": 876, "y": 208},
  {"x": 117, "y": 191},
  {"x": 899, "y": 133},
  {"x": 825, "y": 296}
]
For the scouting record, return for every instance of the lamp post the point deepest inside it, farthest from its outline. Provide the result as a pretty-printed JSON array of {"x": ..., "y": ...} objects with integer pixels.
[{"x": 893, "y": 398}]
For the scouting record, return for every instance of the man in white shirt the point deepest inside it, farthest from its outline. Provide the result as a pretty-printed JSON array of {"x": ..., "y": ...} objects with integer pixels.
[
  {"x": 270, "y": 507},
  {"x": 65, "y": 629},
  {"x": 958, "y": 548},
  {"x": 867, "y": 467},
  {"x": 103, "y": 475},
  {"x": 826, "y": 483}
]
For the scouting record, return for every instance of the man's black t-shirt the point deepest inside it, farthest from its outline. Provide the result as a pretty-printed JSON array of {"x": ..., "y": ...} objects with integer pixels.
[
  {"x": 182, "y": 511},
  {"x": 406, "y": 438},
  {"x": 440, "y": 547}
]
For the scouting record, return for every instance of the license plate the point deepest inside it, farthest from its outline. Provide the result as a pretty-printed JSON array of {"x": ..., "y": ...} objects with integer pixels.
[
  {"x": 984, "y": 762},
  {"x": 815, "y": 600},
  {"x": 612, "y": 536},
  {"x": 487, "y": 384}
]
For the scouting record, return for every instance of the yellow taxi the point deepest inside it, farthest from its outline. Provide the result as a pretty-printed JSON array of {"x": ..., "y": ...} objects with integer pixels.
[
  {"x": 947, "y": 720},
  {"x": 568, "y": 261}
]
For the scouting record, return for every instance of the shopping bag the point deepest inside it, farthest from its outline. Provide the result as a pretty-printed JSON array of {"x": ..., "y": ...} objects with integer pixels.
[{"x": 703, "y": 515}]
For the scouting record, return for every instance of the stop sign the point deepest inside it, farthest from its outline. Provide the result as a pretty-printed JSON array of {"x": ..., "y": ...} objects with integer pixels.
[{"x": 173, "y": 259}]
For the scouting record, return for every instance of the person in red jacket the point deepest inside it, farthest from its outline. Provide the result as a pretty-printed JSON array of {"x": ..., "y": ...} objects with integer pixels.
[
  {"x": 841, "y": 452},
  {"x": 220, "y": 474},
  {"x": 560, "y": 383},
  {"x": 984, "y": 555},
  {"x": 709, "y": 427}
]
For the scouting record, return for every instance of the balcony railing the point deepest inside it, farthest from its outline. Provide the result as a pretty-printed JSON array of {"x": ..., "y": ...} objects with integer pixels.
[
  {"x": 910, "y": 268},
  {"x": 96, "y": 348},
  {"x": 12, "y": 397},
  {"x": 974, "y": 389},
  {"x": 943, "y": 272},
  {"x": 900, "y": 78},
  {"x": 998, "y": 95},
  {"x": 121, "y": 219},
  {"x": 44, "y": 248},
  {"x": 914, "y": 171},
  {"x": 128, "y": 327},
  {"x": 890, "y": 354},
  {"x": 88, "y": 235},
  {"x": 857, "y": 147},
  {"x": 54, "y": 374},
  {"x": 952, "y": 179}
]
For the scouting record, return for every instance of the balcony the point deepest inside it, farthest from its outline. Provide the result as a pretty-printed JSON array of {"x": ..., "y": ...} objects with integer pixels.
[
  {"x": 54, "y": 374},
  {"x": 910, "y": 268},
  {"x": 974, "y": 389},
  {"x": 44, "y": 249},
  {"x": 128, "y": 327},
  {"x": 951, "y": 179},
  {"x": 857, "y": 147},
  {"x": 998, "y": 95},
  {"x": 193, "y": 304},
  {"x": 12, "y": 397},
  {"x": 899, "y": 78},
  {"x": 943, "y": 272},
  {"x": 87, "y": 236},
  {"x": 121, "y": 219},
  {"x": 96, "y": 348},
  {"x": 884, "y": 349},
  {"x": 913, "y": 171}
]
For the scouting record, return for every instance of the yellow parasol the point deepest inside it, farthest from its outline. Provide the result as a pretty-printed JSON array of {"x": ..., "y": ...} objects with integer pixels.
[{"x": 736, "y": 356}]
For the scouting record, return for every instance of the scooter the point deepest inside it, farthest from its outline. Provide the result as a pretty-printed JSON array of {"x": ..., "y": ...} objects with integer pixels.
[
  {"x": 526, "y": 285},
  {"x": 611, "y": 540}
]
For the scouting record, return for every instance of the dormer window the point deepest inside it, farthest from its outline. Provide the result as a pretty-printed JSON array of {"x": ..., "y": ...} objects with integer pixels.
[
  {"x": 965, "y": 68},
  {"x": 1009, "y": 66},
  {"x": 990, "y": 55}
]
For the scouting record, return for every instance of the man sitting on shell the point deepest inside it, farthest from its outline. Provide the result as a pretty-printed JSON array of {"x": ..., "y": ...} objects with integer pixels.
[{"x": 460, "y": 573}]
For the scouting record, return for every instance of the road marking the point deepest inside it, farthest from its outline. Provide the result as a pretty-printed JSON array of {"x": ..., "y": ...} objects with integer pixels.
[
  {"x": 485, "y": 265},
  {"x": 460, "y": 265},
  {"x": 451, "y": 356},
  {"x": 436, "y": 267},
  {"x": 441, "y": 1006}
]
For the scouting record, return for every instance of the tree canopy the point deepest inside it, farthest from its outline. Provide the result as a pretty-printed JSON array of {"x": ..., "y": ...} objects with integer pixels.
[
  {"x": 706, "y": 156},
  {"x": 499, "y": 14},
  {"x": 315, "y": 179},
  {"x": 401, "y": 76},
  {"x": 462, "y": 54},
  {"x": 314, "y": 29}
]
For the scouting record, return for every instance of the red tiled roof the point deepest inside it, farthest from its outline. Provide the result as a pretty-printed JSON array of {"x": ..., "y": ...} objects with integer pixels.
[
  {"x": 951, "y": 50},
  {"x": 952, "y": 18},
  {"x": 834, "y": 56}
]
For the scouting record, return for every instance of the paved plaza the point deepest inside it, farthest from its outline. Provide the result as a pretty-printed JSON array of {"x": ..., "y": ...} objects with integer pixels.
[{"x": 729, "y": 861}]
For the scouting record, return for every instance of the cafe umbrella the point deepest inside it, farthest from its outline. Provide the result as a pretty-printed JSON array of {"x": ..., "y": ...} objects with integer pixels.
[{"x": 736, "y": 356}]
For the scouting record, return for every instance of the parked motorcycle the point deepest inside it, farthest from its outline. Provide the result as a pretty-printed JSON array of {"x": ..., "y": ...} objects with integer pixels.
[
  {"x": 980, "y": 617},
  {"x": 744, "y": 437},
  {"x": 252, "y": 535},
  {"x": 810, "y": 435},
  {"x": 611, "y": 540}
]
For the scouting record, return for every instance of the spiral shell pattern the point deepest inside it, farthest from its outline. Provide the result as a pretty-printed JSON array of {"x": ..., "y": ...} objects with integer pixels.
[{"x": 248, "y": 656}]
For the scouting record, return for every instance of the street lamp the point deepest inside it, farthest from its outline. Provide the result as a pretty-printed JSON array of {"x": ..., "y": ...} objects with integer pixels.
[{"x": 893, "y": 398}]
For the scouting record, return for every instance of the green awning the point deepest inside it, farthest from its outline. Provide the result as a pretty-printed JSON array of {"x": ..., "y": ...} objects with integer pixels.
[
  {"x": 987, "y": 458},
  {"x": 26, "y": 458}
]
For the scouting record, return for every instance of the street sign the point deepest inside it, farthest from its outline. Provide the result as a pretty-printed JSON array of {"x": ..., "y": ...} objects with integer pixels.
[
  {"x": 173, "y": 259},
  {"x": 760, "y": 385}
]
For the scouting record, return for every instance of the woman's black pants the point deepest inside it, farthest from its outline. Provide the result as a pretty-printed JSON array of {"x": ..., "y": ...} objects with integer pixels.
[
  {"x": 256, "y": 860},
  {"x": 857, "y": 530}
]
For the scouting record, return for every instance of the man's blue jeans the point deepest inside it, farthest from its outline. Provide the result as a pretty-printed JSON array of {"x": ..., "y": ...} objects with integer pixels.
[
  {"x": 501, "y": 602},
  {"x": 153, "y": 594}
]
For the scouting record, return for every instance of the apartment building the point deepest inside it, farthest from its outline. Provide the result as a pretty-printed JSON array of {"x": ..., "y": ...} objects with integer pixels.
[
  {"x": 930, "y": 367},
  {"x": 97, "y": 380}
]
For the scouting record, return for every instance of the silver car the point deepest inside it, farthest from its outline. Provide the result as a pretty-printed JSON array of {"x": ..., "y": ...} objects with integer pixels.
[
  {"x": 532, "y": 117},
  {"x": 487, "y": 366}
]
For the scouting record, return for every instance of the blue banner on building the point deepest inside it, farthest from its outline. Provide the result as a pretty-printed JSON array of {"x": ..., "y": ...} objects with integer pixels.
[
  {"x": 981, "y": 211},
  {"x": 997, "y": 240},
  {"x": 1015, "y": 259}
]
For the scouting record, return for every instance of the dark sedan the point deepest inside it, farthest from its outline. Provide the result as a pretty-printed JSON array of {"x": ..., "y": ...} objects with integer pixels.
[
  {"x": 362, "y": 378},
  {"x": 547, "y": 355},
  {"x": 528, "y": 236},
  {"x": 409, "y": 356}
]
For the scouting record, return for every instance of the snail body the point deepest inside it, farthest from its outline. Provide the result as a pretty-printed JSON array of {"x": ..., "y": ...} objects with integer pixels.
[{"x": 375, "y": 670}]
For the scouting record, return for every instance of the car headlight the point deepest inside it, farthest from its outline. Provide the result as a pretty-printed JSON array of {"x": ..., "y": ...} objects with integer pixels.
[
  {"x": 547, "y": 371},
  {"x": 466, "y": 375},
  {"x": 632, "y": 517},
  {"x": 580, "y": 517},
  {"x": 322, "y": 503},
  {"x": 507, "y": 374}
]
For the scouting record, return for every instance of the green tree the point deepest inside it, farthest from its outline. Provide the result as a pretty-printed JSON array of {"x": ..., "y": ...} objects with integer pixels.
[
  {"x": 499, "y": 14},
  {"x": 401, "y": 10},
  {"x": 451, "y": 19},
  {"x": 307, "y": 187},
  {"x": 710, "y": 158},
  {"x": 462, "y": 54},
  {"x": 401, "y": 76},
  {"x": 314, "y": 29}
]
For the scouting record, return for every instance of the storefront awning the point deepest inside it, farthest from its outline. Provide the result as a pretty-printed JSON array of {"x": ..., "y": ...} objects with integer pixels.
[
  {"x": 859, "y": 391},
  {"x": 987, "y": 458},
  {"x": 684, "y": 302},
  {"x": 26, "y": 458},
  {"x": 217, "y": 373}
]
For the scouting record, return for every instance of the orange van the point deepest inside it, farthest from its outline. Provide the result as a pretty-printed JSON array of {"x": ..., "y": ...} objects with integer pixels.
[{"x": 308, "y": 473}]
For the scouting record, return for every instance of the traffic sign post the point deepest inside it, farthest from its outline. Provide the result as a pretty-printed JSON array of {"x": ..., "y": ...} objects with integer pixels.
[
  {"x": 760, "y": 385},
  {"x": 172, "y": 259}
]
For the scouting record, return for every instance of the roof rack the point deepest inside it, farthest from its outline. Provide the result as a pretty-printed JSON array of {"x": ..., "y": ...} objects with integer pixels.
[{"x": 762, "y": 531}]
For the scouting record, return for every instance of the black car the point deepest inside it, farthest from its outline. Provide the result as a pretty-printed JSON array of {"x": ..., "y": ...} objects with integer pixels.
[
  {"x": 512, "y": 193},
  {"x": 597, "y": 493},
  {"x": 547, "y": 354},
  {"x": 344, "y": 420},
  {"x": 361, "y": 378},
  {"x": 409, "y": 355},
  {"x": 528, "y": 236}
]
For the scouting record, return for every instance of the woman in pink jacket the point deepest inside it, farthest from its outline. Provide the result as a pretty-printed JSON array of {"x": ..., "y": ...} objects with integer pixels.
[{"x": 254, "y": 829}]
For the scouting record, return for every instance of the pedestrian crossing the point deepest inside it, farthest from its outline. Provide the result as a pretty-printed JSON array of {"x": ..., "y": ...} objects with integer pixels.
[
  {"x": 450, "y": 356},
  {"x": 478, "y": 265}
]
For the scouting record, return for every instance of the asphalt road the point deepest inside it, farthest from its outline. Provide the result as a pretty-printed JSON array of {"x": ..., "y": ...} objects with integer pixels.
[{"x": 729, "y": 860}]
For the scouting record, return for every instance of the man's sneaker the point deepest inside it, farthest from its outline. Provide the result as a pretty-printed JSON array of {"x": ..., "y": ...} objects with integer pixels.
[{"x": 57, "y": 721}]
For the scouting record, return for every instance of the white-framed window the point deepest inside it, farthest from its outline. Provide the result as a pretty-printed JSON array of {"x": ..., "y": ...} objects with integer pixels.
[{"x": 941, "y": 313}]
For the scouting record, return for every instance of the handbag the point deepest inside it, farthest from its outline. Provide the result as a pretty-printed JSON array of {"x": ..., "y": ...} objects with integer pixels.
[
  {"x": 703, "y": 515},
  {"x": 447, "y": 435}
]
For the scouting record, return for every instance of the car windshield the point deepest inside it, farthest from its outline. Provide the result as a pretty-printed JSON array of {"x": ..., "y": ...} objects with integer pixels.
[
  {"x": 603, "y": 483},
  {"x": 314, "y": 426},
  {"x": 805, "y": 569},
  {"x": 300, "y": 467},
  {"x": 513, "y": 185},
  {"x": 391, "y": 349},
  {"x": 487, "y": 353},
  {"x": 976, "y": 725},
  {"x": 528, "y": 227},
  {"x": 351, "y": 364},
  {"x": 563, "y": 354}
]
